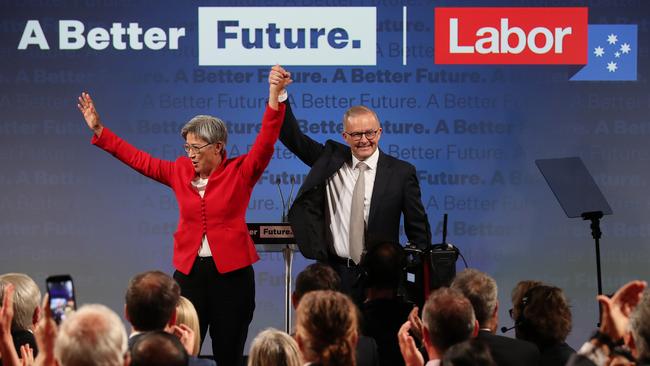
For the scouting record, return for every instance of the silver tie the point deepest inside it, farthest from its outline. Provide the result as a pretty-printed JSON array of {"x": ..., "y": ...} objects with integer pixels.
[{"x": 357, "y": 221}]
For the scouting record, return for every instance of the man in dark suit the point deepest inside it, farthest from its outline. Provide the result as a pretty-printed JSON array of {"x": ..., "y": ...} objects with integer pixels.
[
  {"x": 481, "y": 290},
  {"x": 151, "y": 300},
  {"x": 27, "y": 310},
  {"x": 158, "y": 348},
  {"x": 447, "y": 319},
  {"x": 318, "y": 276},
  {"x": 334, "y": 218},
  {"x": 384, "y": 311}
]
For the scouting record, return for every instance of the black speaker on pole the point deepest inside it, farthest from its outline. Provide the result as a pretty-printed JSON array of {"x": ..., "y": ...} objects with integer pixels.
[
  {"x": 430, "y": 268},
  {"x": 443, "y": 267}
]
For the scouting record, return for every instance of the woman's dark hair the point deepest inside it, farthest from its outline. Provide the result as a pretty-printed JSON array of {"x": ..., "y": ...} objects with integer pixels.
[
  {"x": 326, "y": 328},
  {"x": 543, "y": 315}
]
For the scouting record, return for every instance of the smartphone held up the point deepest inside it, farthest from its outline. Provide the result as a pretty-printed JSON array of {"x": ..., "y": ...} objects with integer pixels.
[{"x": 61, "y": 296}]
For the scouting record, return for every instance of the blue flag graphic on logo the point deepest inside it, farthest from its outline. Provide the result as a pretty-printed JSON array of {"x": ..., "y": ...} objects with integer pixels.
[{"x": 612, "y": 53}]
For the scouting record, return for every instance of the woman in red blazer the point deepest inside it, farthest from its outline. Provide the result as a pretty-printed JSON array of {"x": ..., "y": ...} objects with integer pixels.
[{"x": 213, "y": 252}]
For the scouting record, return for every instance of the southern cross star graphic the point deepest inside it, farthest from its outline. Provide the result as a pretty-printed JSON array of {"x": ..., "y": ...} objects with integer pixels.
[
  {"x": 612, "y": 38},
  {"x": 599, "y": 51},
  {"x": 612, "y": 53},
  {"x": 611, "y": 66},
  {"x": 625, "y": 48}
]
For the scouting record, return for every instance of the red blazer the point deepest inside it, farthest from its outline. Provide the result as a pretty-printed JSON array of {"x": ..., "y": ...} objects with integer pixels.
[{"x": 221, "y": 212}]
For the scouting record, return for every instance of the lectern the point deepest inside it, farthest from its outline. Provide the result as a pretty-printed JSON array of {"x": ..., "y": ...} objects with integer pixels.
[{"x": 277, "y": 237}]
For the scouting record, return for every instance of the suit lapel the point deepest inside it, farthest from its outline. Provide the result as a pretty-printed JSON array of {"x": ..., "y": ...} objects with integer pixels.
[
  {"x": 382, "y": 177},
  {"x": 325, "y": 169},
  {"x": 340, "y": 157}
]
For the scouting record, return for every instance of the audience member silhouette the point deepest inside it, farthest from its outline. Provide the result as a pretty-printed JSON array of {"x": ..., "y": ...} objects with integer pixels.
[
  {"x": 272, "y": 347},
  {"x": 542, "y": 316},
  {"x": 481, "y": 290},
  {"x": 384, "y": 311},
  {"x": 327, "y": 329},
  {"x": 448, "y": 318}
]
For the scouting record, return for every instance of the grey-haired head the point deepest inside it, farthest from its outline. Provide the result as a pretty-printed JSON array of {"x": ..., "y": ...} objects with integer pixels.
[{"x": 209, "y": 128}]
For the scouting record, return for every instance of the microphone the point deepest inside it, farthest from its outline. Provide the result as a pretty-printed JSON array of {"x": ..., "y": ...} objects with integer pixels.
[
  {"x": 449, "y": 246},
  {"x": 444, "y": 231},
  {"x": 446, "y": 245},
  {"x": 284, "y": 205},
  {"x": 290, "y": 200},
  {"x": 505, "y": 329}
]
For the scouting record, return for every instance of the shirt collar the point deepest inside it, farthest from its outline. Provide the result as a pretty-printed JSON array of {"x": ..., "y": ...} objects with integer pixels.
[{"x": 371, "y": 162}]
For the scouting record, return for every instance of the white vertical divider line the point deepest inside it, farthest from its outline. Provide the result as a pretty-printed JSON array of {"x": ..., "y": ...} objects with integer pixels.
[{"x": 404, "y": 35}]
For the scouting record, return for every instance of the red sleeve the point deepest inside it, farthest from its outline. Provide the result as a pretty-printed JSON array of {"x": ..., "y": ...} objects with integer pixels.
[
  {"x": 260, "y": 155},
  {"x": 157, "y": 169}
]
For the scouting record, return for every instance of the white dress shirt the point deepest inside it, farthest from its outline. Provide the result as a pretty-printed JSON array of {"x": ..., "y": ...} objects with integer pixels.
[{"x": 339, "y": 189}]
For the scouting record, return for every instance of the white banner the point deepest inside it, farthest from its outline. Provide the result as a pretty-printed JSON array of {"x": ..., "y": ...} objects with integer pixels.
[{"x": 287, "y": 36}]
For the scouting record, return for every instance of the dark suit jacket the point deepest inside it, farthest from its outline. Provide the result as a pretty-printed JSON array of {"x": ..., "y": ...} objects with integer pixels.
[
  {"x": 193, "y": 360},
  {"x": 21, "y": 337},
  {"x": 396, "y": 191},
  {"x": 382, "y": 319},
  {"x": 508, "y": 351},
  {"x": 556, "y": 355},
  {"x": 367, "y": 354}
]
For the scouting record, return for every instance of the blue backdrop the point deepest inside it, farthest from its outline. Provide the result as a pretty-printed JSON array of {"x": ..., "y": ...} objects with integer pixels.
[{"x": 472, "y": 132}]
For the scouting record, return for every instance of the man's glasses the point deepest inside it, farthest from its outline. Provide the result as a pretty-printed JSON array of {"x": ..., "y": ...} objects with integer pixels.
[
  {"x": 356, "y": 136},
  {"x": 195, "y": 149}
]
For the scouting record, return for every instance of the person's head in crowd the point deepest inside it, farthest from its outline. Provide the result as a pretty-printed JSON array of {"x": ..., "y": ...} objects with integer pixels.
[
  {"x": 481, "y": 290},
  {"x": 316, "y": 276},
  {"x": 151, "y": 300},
  {"x": 326, "y": 328},
  {"x": 186, "y": 314},
  {"x": 158, "y": 348},
  {"x": 93, "y": 335},
  {"x": 472, "y": 352},
  {"x": 27, "y": 298},
  {"x": 518, "y": 292},
  {"x": 639, "y": 335},
  {"x": 272, "y": 347},
  {"x": 448, "y": 318},
  {"x": 542, "y": 314},
  {"x": 361, "y": 130},
  {"x": 384, "y": 265}
]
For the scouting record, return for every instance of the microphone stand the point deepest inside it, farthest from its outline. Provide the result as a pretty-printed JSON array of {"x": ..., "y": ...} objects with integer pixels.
[
  {"x": 287, "y": 255},
  {"x": 594, "y": 217}
]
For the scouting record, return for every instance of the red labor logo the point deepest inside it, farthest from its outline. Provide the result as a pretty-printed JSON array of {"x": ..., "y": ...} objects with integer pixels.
[{"x": 511, "y": 35}]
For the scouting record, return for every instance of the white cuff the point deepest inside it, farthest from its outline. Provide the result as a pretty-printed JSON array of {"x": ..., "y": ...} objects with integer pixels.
[
  {"x": 595, "y": 354},
  {"x": 283, "y": 96}
]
